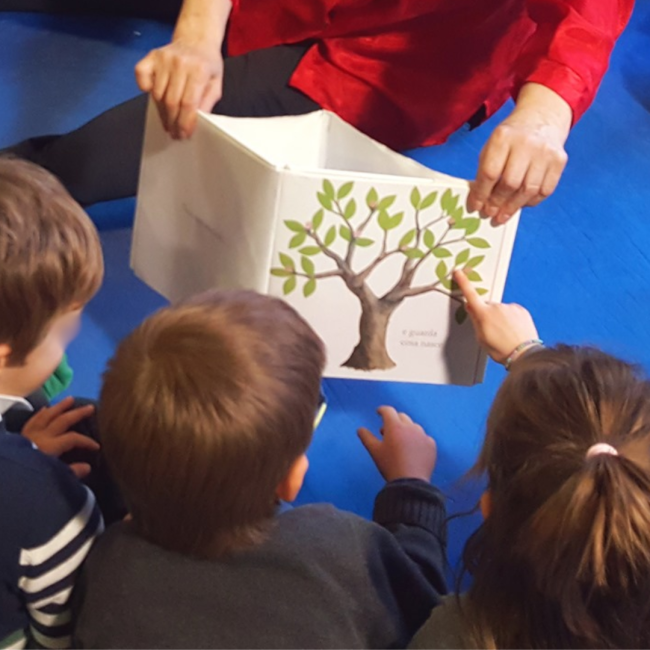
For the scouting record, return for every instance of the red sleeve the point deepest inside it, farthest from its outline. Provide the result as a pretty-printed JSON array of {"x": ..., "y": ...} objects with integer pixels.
[{"x": 569, "y": 53}]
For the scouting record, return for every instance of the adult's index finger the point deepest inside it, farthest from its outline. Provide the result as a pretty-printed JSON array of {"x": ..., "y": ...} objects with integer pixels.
[{"x": 474, "y": 302}]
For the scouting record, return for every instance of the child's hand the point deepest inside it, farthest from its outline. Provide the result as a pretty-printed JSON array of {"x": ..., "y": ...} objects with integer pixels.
[
  {"x": 50, "y": 431},
  {"x": 499, "y": 328},
  {"x": 405, "y": 451}
]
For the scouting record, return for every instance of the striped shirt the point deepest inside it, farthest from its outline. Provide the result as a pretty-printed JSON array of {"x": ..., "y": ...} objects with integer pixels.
[{"x": 48, "y": 522}]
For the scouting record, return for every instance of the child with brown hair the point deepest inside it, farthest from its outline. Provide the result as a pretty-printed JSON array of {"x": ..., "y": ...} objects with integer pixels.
[
  {"x": 562, "y": 559},
  {"x": 205, "y": 417},
  {"x": 50, "y": 266}
]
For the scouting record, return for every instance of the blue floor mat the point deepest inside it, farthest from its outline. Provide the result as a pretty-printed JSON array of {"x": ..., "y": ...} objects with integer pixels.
[{"x": 581, "y": 262}]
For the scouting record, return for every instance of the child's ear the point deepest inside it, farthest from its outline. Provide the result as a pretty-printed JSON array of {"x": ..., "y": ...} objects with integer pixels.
[
  {"x": 292, "y": 482},
  {"x": 5, "y": 353},
  {"x": 486, "y": 504}
]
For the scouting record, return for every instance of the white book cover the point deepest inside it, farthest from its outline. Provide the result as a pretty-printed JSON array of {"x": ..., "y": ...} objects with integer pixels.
[{"x": 362, "y": 241}]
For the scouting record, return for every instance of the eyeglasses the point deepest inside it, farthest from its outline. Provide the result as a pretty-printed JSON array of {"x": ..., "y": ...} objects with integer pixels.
[{"x": 320, "y": 410}]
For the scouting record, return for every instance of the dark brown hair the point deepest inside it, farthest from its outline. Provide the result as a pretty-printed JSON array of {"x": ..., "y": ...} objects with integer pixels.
[
  {"x": 563, "y": 559},
  {"x": 203, "y": 411},
  {"x": 50, "y": 255}
]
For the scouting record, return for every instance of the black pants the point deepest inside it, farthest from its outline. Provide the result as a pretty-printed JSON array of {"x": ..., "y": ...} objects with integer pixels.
[
  {"x": 101, "y": 160},
  {"x": 164, "y": 10}
]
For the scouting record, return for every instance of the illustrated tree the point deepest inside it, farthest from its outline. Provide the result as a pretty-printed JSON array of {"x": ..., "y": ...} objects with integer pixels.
[{"x": 430, "y": 249}]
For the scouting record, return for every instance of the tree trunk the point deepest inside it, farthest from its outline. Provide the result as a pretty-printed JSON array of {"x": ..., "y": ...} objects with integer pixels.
[{"x": 370, "y": 352}]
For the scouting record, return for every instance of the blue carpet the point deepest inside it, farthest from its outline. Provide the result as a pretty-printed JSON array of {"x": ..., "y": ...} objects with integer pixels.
[{"x": 580, "y": 264}]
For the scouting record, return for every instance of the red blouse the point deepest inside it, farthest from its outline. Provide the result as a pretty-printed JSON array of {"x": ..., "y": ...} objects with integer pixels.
[{"x": 411, "y": 72}]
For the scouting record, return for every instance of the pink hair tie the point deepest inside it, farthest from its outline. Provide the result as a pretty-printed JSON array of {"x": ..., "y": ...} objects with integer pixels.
[{"x": 601, "y": 448}]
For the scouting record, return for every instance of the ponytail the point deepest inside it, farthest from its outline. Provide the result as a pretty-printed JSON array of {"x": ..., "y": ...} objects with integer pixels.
[
  {"x": 563, "y": 559},
  {"x": 592, "y": 540}
]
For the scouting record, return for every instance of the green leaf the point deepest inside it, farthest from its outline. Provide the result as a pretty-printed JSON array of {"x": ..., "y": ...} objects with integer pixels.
[
  {"x": 350, "y": 209},
  {"x": 457, "y": 212},
  {"x": 287, "y": 262},
  {"x": 414, "y": 253},
  {"x": 446, "y": 201},
  {"x": 428, "y": 200},
  {"x": 298, "y": 240},
  {"x": 346, "y": 233},
  {"x": 386, "y": 202},
  {"x": 294, "y": 226},
  {"x": 477, "y": 242},
  {"x": 384, "y": 220},
  {"x": 481, "y": 291},
  {"x": 328, "y": 189},
  {"x": 441, "y": 252},
  {"x": 471, "y": 225},
  {"x": 396, "y": 220},
  {"x": 441, "y": 271},
  {"x": 407, "y": 238},
  {"x": 289, "y": 285},
  {"x": 307, "y": 266},
  {"x": 416, "y": 198},
  {"x": 317, "y": 220},
  {"x": 309, "y": 288},
  {"x": 429, "y": 239},
  {"x": 371, "y": 198},
  {"x": 475, "y": 261},
  {"x": 309, "y": 250},
  {"x": 461, "y": 314},
  {"x": 462, "y": 257},
  {"x": 325, "y": 201},
  {"x": 330, "y": 236},
  {"x": 473, "y": 275},
  {"x": 450, "y": 284},
  {"x": 281, "y": 273},
  {"x": 344, "y": 190},
  {"x": 364, "y": 241},
  {"x": 457, "y": 224}
]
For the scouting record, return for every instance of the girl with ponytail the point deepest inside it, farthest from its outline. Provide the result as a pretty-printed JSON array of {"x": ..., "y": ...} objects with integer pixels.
[{"x": 562, "y": 559}]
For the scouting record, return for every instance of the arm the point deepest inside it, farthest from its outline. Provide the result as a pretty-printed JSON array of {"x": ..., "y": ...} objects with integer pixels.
[
  {"x": 569, "y": 53},
  {"x": 410, "y": 568},
  {"x": 187, "y": 75},
  {"x": 48, "y": 569},
  {"x": 557, "y": 78}
]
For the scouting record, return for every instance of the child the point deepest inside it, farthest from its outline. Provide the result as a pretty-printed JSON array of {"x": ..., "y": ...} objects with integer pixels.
[
  {"x": 50, "y": 266},
  {"x": 205, "y": 416},
  {"x": 562, "y": 559}
]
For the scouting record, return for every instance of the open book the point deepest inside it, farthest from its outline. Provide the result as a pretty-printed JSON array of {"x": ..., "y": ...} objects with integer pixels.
[{"x": 360, "y": 240}]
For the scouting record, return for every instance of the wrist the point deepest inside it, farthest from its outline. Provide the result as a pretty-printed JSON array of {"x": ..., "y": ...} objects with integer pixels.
[
  {"x": 521, "y": 350},
  {"x": 545, "y": 105},
  {"x": 203, "y": 23}
]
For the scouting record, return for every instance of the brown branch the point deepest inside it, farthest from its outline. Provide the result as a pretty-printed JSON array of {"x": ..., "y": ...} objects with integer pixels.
[
  {"x": 318, "y": 276},
  {"x": 339, "y": 261},
  {"x": 363, "y": 275},
  {"x": 417, "y": 291},
  {"x": 366, "y": 221}
]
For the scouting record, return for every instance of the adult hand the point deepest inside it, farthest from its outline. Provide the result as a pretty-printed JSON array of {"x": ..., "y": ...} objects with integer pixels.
[
  {"x": 50, "y": 431},
  {"x": 186, "y": 76},
  {"x": 499, "y": 328},
  {"x": 405, "y": 451},
  {"x": 522, "y": 162},
  {"x": 183, "y": 77}
]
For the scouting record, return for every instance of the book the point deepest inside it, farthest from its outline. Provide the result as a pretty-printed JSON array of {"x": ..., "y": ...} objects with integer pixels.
[{"x": 361, "y": 240}]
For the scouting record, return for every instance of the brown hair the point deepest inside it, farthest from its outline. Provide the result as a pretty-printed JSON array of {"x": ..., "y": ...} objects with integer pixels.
[
  {"x": 50, "y": 255},
  {"x": 203, "y": 411},
  {"x": 563, "y": 559}
]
